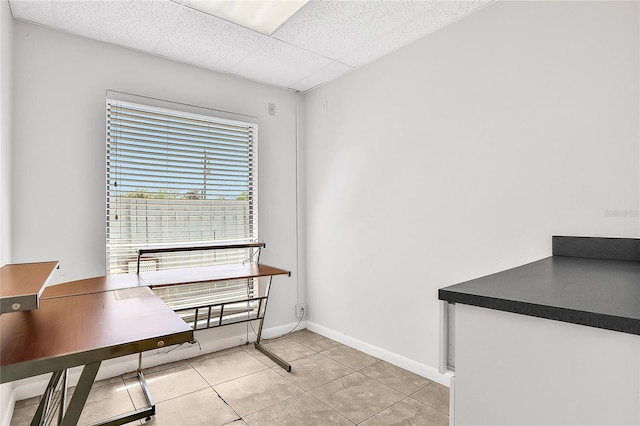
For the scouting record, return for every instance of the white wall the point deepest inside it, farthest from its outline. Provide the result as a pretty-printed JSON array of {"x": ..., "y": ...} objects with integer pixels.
[
  {"x": 461, "y": 155},
  {"x": 6, "y": 64},
  {"x": 60, "y": 84}
]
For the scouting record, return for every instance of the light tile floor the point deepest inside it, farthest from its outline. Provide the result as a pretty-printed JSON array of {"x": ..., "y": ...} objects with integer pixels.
[{"x": 330, "y": 384}]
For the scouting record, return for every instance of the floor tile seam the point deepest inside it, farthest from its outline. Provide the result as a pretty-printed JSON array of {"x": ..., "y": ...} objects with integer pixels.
[
  {"x": 423, "y": 387},
  {"x": 302, "y": 391},
  {"x": 307, "y": 345},
  {"x": 213, "y": 354},
  {"x": 258, "y": 359},
  {"x": 137, "y": 382},
  {"x": 184, "y": 394},
  {"x": 290, "y": 360},
  {"x": 334, "y": 360},
  {"x": 227, "y": 404},
  {"x": 404, "y": 396},
  {"x": 377, "y": 360},
  {"x": 320, "y": 385},
  {"x": 266, "y": 367},
  {"x": 429, "y": 381},
  {"x": 235, "y": 378},
  {"x": 395, "y": 389},
  {"x": 302, "y": 343},
  {"x": 271, "y": 405},
  {"x": 428, "y": 405},
  {"x": 389, "y": 407},
  {"x": 159, "y": 368},
  {"x": 334, "y": 380},
  {"x": 195, "y": 367},
  {"x": 348, "y": 366},
  {"x": 329, "y": 407},
  {"x": 233, "y": 421},
  {"x": 267, "y": 343},
  {"x": 71, "y": 391},
  {"x": 73, "y": 388},
  {"x": 130, "y": 395}
]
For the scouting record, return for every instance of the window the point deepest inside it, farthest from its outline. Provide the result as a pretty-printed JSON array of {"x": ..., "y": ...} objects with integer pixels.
[{"x": 179, "y": 178}]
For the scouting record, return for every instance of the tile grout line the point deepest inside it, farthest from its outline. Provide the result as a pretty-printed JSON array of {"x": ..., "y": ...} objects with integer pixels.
[
  {"x": 216, "y": 392},
  {"x": 189, "y": 364},
  {"x": 330, "y": 407},
  {"x": 428, "y": 405},
  {"x": 308, "y": 392}
]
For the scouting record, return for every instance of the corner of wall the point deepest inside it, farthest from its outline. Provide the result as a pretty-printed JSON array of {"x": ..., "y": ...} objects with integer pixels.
[
  {"x": 300, "y": 201},
  {"x": 6, "y": 66}
]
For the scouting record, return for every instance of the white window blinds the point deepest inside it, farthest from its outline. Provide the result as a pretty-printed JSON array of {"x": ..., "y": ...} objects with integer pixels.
[{"x": 177, "y": 178}]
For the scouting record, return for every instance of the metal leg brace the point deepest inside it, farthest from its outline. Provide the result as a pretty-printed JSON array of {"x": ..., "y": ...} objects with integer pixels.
[{"x": 275, "y": 358}]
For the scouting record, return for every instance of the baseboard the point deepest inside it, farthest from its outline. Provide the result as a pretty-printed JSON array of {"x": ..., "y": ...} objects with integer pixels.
[
  {"x": 8, "y": 401},
  {"x": 423, "y": 370},
  {"x": 211, "y": 340}
]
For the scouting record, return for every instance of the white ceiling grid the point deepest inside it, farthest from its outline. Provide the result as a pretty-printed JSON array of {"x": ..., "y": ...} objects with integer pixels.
[{"x": 322, "y": 41}]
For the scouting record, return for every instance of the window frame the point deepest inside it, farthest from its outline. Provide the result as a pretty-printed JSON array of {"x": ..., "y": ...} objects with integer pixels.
[{"x": 192, "y": 112}]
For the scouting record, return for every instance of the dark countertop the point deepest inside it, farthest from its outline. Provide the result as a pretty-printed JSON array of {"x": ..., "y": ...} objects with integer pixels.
[{"x": 600, "y": 293}]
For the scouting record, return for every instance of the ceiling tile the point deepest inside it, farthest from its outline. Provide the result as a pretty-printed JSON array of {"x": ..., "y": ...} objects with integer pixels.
[
  {"x": 136, "y": 24},
  {"x": 300, "y": 55},
  {"x": 279, "y": 63},
  {"x": 433, "y": 16},
  {"x": 324, "y": 74},
  {"x": 204, "y": 40},
  {"x": 335, "y": 28},
  {"x": 39, "y": 11}
]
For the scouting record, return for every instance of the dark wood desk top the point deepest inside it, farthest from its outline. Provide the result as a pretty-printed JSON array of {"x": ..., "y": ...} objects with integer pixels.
[
  {"x": 81, "y": 329},
  {"x": 22, "y": 284},
  {"x": 94, "y": 285},
  {"x": 209, "y": 273}
]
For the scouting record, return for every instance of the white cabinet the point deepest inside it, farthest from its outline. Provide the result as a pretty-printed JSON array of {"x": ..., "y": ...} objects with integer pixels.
[{"x": 516, "y": 369}]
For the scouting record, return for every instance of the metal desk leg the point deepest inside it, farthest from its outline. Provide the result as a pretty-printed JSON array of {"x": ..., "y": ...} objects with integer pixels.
[
  {"x": 81, "y": 393},
  {"x": 63, "y": 396},
  {"x": 275, "y": 358},
  {"x": 39, "y": 418}
]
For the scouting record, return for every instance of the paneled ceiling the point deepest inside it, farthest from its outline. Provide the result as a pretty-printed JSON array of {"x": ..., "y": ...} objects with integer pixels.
[{"x": 322, "y": 41}]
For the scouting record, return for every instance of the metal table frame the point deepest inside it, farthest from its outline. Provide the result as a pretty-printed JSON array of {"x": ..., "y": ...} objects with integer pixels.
[
  {"x": 86, "y": 346},
  {"x": 251, "y": 269}
]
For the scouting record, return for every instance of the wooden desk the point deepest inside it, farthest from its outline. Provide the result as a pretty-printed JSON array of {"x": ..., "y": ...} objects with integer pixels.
[
  {"x": 209, "y": 273},
  {"x": 85, "y": 329},
  {"x": 173, "y": 277},
  {"x": 94, "y": 285},
  {"x": 22, "y": 284}
]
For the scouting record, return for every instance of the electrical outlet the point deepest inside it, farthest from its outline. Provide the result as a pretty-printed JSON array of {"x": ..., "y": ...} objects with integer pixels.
[{"x": 300, "y": 311}]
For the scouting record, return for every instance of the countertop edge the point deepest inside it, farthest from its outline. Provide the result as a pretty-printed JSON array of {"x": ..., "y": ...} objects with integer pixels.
[{"x": 591, "y": 319}]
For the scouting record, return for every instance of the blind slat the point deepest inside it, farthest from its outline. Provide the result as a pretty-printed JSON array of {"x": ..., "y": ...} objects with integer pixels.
[{"x": 176, "y": 178}]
